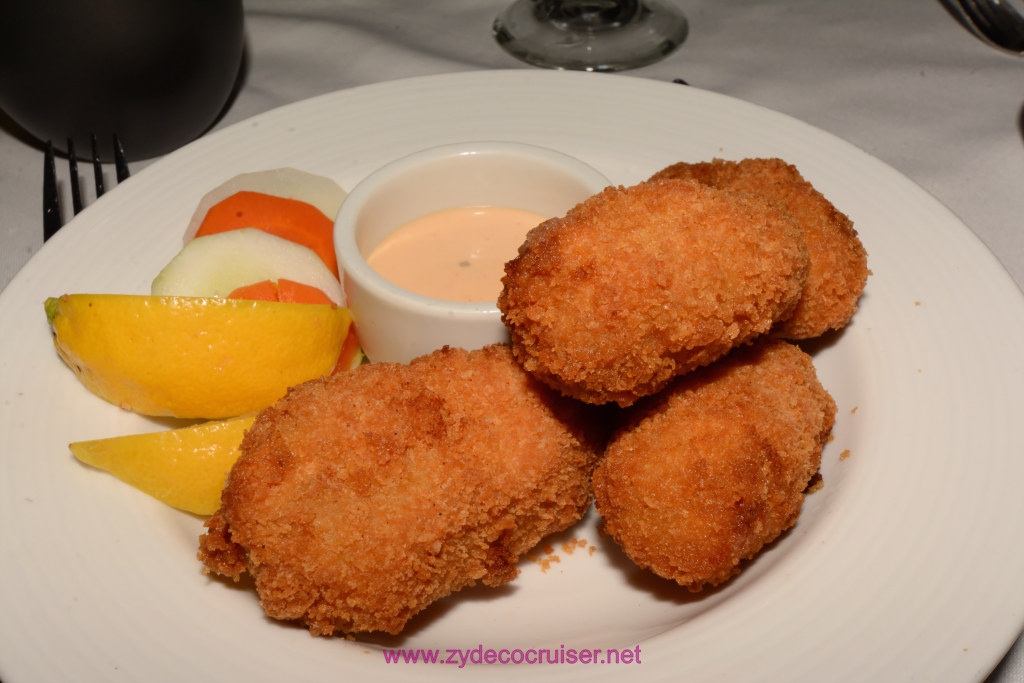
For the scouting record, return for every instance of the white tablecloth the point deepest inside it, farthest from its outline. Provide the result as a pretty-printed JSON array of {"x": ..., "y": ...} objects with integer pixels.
[{"x": 899, "y": 78}]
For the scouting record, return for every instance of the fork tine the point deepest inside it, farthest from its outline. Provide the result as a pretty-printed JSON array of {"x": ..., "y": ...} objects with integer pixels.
[
  {"x": 120, "y": 163},
  {"x": 996, "y": 22},
  {"x": 76, "y": 192},
  {"x": 97, "y": 169},
  {"x": 52, "y": 220},
  {"x": 1009, "y": 23},
  {"x": 986, "y": 21},
  {"x": 51, "y": 205}
]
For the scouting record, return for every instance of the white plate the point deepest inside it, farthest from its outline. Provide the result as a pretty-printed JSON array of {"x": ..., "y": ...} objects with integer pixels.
[{"x": 906, "y": 565}]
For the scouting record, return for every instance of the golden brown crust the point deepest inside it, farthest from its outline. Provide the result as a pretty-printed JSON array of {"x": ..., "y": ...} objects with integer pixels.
[
  {"x": 705, "y": 474},
  {"x": 361, "y": 499},
  {"x": 838, "y": 261},
  {"x": 639, "y": 284}
]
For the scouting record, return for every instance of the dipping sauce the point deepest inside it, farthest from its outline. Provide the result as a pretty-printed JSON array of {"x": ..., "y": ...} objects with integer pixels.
[{"x": 456, "y": 254}]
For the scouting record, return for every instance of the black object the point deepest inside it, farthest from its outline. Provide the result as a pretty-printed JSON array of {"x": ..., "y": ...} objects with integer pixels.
[
  {"x": 51, "y": 200},
  {"x": 52, "y": 218},
  {"x": 156, "y": 72}
]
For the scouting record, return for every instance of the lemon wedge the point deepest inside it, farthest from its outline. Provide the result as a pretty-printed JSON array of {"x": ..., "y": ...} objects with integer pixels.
[
  {"x": 194, "y": 357},
  {"x": 184, "y": 468}
]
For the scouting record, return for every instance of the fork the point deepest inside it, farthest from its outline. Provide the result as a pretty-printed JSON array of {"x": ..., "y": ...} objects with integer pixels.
[
  {"x": 995, "y": 21},
  {"x": 52, "y": 219}
]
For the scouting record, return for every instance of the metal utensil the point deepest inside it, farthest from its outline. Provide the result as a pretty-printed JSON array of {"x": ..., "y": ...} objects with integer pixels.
[
  {"x": 52, "y": 217},
  {"x": 996, "y": 22}
]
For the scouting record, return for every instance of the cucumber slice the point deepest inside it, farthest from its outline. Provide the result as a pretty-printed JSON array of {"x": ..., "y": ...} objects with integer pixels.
[{"x": 216, "y": 265}]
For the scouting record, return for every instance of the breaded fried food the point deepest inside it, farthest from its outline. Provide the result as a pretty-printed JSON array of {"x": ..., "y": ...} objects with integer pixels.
[
  {"x": 361, "y": 499},
  {"x": 639, "y": 284},
  {"x": 702, "y": 476},
  {"x": 838, "y": 260}
]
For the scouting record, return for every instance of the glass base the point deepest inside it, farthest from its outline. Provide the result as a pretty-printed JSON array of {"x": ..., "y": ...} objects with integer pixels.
[{"x": 590, "y": 35}]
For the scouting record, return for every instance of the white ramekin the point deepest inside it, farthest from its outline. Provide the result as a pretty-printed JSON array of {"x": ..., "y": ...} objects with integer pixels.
[{"x": 394, "y": 324}]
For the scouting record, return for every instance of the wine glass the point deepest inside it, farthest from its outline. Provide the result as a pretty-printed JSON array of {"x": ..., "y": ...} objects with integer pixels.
[{"x": 590, "y": 35}]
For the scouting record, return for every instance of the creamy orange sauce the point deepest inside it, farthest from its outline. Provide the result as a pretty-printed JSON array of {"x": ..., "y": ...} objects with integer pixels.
[{"x": 455, "y": 254}]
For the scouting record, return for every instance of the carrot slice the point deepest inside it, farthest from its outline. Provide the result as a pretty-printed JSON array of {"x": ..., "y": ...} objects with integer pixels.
[
  {"x": 281, "y": 290},
  {"x": 349, "y": 353},
  {"x": 290, "y": 219},
  {"x": 298, "y": 293},
  {"x": 260, "y": 291}
]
